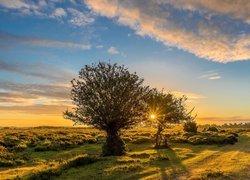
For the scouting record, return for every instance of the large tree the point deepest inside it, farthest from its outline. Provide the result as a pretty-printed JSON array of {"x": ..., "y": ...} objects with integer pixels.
[
  {"x": 110, "y": 98},
  {"x": 165, "y": 109}
]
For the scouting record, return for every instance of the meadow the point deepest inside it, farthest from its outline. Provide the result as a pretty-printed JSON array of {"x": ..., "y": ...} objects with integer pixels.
[{"x": 74, "y": 153}]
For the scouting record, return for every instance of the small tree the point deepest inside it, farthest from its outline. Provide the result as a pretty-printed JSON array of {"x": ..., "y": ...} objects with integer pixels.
[
  {"x": 166, "y": 109},
  {"x": 110, "y": 98},
  {"x": 190, "y": 126}
]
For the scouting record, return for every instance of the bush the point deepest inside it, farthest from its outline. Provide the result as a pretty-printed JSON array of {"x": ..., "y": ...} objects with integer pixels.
[
  {"x": 234, "y": 134},
  {"x": 198, "y": 139},
  {"x": 212, "y": 128},
  {"x": 212, "y": 139},
  {"x": 6, "y": 163},
  {"x": 190, "y": 126},
  {"x": 90, "y": 140},
  {"x": 141, "y": 140},
  {"x": 189, "y": 134},
  {"x": 50, "y": 173},
  {"x": 45, "y": 174},
  {"x": 80, "y": 160},
  {"x": 127, "y": 139},
  {"x": 9, "y": 159},
  {"x": 20, "y": 147},
  {"x": 179, "y": 139},
  {"x": 11, "y": 141},
  {"x": 140, "y": 155}
]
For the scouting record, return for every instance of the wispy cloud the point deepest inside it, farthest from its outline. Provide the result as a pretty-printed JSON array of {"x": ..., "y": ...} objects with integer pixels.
[
  {"x": 99, "y": 46},
  {"x": 48, "y": 72},
  {"x": 164, "y": 21},
  {"x": 39, "y": 109},
  {"x": 13, "y": 40},
  {"x": 190, "y": 96},
  {"x": 59, "y": 13},
  {"x": 27, "y": 7},
  {"x": 37, "y": 90},
  {"x": 211, "y": 75},
  {"x": 17, "y": 4},
  {"x": 34, "y": 98},
  {"x": 80, "y": 18},
  {"x": 50, "y": 9},
  {"x": 113, "y": 50}
]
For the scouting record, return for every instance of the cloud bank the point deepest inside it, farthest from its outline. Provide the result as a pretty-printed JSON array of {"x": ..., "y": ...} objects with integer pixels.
[
  {"x": 12, "y": 40},
  {"x": 213, "y": 30},
  {"x": 237, "y": 9}
]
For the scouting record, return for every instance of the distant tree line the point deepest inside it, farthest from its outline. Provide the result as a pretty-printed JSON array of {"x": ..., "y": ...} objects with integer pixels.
[{"x": 229, "y": 125}]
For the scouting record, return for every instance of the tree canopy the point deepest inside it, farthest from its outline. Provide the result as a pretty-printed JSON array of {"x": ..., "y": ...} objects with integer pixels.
[
  {"x": 108, "y": 97},
  {"x": 165, "y": 109}
]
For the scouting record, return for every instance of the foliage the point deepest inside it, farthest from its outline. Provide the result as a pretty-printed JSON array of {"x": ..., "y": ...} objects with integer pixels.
[
  {"x": 110, "y": 98},
  {"x": 190, "y": 126},
  {"x": 166, "y": 109},
  {"x": 205, "y": 138},
  {"x": 142, "y": 140},
  {"x": 212, "y": 128},
  {"x": 52, "y": 172}
]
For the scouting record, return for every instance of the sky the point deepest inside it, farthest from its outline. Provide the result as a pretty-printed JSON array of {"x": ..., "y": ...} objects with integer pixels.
[{"x": 200, "y": 49}]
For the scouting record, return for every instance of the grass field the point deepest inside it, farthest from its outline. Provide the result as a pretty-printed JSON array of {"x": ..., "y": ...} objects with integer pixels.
[{"x": 73, "y": 153}]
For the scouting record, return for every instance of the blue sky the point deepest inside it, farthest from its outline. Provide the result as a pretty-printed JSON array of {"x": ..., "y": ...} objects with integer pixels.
[{"x": 196, "y": 48}]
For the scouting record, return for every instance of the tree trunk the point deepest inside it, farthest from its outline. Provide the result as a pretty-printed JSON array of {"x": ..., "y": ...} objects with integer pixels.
[
  {"x": 114, "y": 145},
  {"x": 160, "y": 142},
  {"x": 158, "y": 137}
]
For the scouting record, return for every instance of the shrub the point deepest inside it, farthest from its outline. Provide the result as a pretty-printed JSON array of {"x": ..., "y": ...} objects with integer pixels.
[
  {"x": 179, "y": 139},
  {"x": 140, "y": 155},
  {"x": 50, "y": 173},
  {"x": 9, "y": 159},
  {"x": 198, "y": 139},
  {"x": 127, "y": 139},
  {"x": 212, "y": 128},
  {"x": 20, "y": 147},
  {"x": 212, "y": 139},
  {"x": 162, "y": 157},
  {"x": 189, "y": 134},
  {"x": 144, "y": 134},
  {"x": 6, "y": 163},
  {"x": 215, "y": 175},
  {"x": 11, "y": 141},
  {"x": 2, "y": 149},
  {"x": 141, "y": 140},
  {"x": 40, "y": 148},
  {"x": 234, "y": 134},
  {"x": 43, "y": 146},
  {"x": 80, "y": 160},
  {"x": 45, "y": 174},
  {"x": 90, "y": 140},
  {"x": 231, "y": 139},
  {"x": 190, "y": 126}
]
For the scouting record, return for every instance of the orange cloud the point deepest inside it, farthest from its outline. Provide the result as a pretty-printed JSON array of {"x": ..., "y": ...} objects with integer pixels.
[
  {"x": 238, "y": 9},
  {"x": 207, "y": 39}
]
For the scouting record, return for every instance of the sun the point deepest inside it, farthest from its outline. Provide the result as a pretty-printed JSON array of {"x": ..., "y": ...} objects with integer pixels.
[{"x": 152, "y": 116}]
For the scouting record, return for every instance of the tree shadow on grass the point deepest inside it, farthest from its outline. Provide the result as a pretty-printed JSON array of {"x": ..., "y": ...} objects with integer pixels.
[
  {"x": 174, "y": 164},
  {"x": 166, "y": 165}
]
